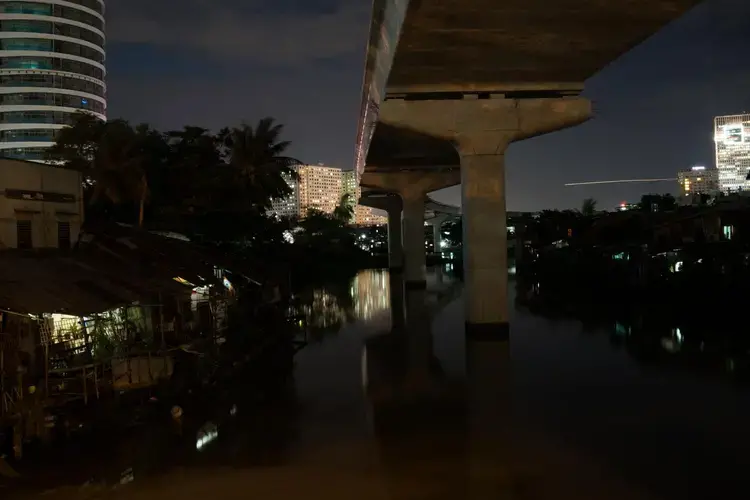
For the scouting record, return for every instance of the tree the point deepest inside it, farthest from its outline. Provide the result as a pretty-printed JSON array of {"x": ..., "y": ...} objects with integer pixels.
[
  {"x": 588, "y": 208},
  {"x": 194, "y": 180},
  {"x": 256, "y": 155},
  {"x": 113, "y": 156},
  {"x": 657, "y": 203},
  {"x": 344, "y": 212}
]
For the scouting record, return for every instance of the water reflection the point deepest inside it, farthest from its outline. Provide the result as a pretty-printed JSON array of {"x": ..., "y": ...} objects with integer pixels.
[
  {"x": 375, "y": 410},
  {"x": 418, "y": 415},
  {"x": 644, "y": 390},
  {"x": 690, "y": 339},
  {"x": 325, "y": 309},
  {"x": 370, "y": 292}
]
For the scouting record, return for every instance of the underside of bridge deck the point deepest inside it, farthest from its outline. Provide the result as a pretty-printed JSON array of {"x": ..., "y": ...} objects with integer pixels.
[{"x": 524, "y": 45}]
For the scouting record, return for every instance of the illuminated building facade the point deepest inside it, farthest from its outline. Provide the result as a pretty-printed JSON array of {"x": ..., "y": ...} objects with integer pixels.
[
  {"x": 349, "y": 185},
  {"x": 363, "y": 215},
  {"x": 698, "y": 180},
  {"x": 319, "y": 188},
  {"x": 322, "y": 188},
  {"x": 52, "y": 56},
  {"x": 366, "y": 216},
  {"x": 289, "y": 206},
  {"x": 732, "y": 141}
]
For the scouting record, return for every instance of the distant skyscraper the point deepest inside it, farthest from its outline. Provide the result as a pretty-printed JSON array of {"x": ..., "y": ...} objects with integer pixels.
[
  {"x": 51, "y": 66},
  {"x": 698, "y": 180},
  {"x": 732, "y": 140}
]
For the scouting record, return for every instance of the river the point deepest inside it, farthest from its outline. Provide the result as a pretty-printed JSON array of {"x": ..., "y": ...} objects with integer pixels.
[{"x": 392, "y": 402}]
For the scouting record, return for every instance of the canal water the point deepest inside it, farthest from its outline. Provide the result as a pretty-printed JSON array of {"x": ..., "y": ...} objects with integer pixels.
[{"x": 390, "y": 401}]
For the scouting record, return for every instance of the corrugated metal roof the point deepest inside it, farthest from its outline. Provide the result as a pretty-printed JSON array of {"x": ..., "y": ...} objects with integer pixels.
[{"x": 110, "y": 268}]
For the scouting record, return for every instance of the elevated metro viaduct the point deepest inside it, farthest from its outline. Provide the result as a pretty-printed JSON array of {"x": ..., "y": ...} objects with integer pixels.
[
  {"x": 449, "y": 84},
  {"x": 435, "y": 214}
]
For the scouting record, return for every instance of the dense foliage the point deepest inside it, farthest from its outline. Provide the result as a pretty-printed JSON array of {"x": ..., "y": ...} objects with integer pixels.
[{"x": 212, "y": 187}]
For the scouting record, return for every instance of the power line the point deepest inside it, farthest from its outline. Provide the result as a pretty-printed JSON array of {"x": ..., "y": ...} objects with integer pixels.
[{"x": 620, "y": 181}]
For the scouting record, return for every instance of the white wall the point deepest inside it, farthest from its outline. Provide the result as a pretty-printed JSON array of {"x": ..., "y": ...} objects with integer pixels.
[{"x": 44, "y": 215}]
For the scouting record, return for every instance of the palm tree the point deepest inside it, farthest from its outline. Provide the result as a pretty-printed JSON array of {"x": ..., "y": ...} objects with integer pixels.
[
  {"x": 113, "y": 156},
  {"x": 256, "y": 155},
  {"x": 344, "y": 212},
  {"x": 588, "y": 208},
  {"x": 192, "y": 177}
]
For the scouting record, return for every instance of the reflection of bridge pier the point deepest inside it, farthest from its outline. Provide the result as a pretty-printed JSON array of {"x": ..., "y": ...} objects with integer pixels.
[
  {"x": 397, "y": 301},
  {"x": 489, "y": 420},
  {"x": 418, "y": 416}
]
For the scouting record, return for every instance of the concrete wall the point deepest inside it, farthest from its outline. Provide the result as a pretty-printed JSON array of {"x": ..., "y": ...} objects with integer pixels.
[{"x": 42, "y": 194}]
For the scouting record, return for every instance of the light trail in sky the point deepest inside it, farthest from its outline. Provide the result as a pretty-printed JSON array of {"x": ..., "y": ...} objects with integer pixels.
[{"x": 620, "y": 181}]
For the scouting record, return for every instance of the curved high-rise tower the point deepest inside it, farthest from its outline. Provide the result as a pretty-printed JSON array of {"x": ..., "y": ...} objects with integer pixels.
[{"x": 51, "y": 66}]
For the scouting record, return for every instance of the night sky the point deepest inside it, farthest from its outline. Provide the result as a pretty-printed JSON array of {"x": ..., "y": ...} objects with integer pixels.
[{"x": 218, "y": 62}]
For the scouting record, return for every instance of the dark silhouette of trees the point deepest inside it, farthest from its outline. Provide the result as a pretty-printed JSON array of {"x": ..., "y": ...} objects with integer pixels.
[
  {"x": 657, "y": 203},
  {"x": 588, "y": 208}
]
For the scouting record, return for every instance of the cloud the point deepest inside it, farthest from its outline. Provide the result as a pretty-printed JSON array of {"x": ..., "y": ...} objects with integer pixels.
[{"x": 243, "y": 30}]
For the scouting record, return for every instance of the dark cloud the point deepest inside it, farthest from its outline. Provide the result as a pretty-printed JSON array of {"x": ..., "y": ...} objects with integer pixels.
[{"x": 239, "y": 31}]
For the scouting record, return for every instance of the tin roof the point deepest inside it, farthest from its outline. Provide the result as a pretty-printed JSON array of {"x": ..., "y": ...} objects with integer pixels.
[{"x": 110, "y": 267}]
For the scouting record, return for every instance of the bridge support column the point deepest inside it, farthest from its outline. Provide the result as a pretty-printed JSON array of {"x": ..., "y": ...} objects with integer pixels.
[
  {"x": 437, "y": 235},
  {"x": 485, "y": 245},
  {"x": 415, "y": 259},
  {"x": 412, "y": 187},
  {"x": 392, "y": 205},
  {"x": 395, "y": 240},
  {"x": 481, "y": 130}
]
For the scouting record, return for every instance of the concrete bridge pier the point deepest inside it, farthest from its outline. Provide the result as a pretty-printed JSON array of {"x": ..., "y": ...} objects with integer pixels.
[
  {"x": 437, "y": 236},
  {"x": 481, "y": 130},
  {"x": 412, "y": 187},
  {"x": 395, "y": 237},
  {"x": 393, "y": 206}
]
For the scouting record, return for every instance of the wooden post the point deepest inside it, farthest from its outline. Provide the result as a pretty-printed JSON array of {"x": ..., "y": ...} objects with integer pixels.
[
  {"x": 161, "y": 322},
  {"x": 96, "y": 382},
  {"x": 2, "y": 377},
  {"x": 86, "y": 339},
  {"x": 46, "y": 369},
  {"x": 85, "y": 388}
]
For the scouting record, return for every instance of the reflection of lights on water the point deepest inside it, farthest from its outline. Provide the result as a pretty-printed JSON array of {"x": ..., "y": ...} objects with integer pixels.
[
  {"x": 127, "y": 476},
  {"x": 622, "y": 330},
  {"x": 674, "y": 343},
  {"x": 731, "y": 366},
  {"x": 206, "y": 435},
  {"x": 365, "y": 378},
  {"x": 370, "y": 293},
  {"x": 233, "y": 410}
]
